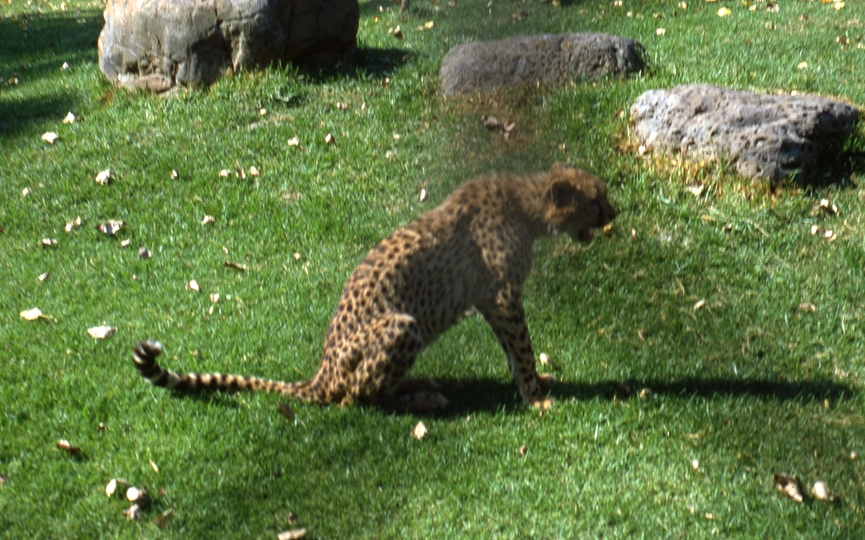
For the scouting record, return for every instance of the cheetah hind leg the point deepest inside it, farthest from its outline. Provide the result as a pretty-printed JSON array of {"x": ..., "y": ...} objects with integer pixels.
[{"x": 391, "y": 345}]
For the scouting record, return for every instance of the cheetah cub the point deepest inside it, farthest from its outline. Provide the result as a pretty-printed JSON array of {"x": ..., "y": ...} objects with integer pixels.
[{"x": 474, "y": 250}]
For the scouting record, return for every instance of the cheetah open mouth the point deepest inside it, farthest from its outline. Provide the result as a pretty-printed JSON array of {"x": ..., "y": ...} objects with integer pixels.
[{"x": 586, "y": 235}]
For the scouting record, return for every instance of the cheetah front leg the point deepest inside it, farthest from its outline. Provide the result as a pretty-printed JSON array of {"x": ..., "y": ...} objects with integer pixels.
[{"x": 507, "y": 319}]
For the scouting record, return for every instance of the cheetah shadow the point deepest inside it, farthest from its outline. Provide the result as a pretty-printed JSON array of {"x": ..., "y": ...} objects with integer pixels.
[{"x": 478, "y": 395}]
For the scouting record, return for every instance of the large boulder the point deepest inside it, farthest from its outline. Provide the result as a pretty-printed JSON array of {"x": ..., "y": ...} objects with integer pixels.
[
  {"x": 159, "y": 44},
  {"x": 529, "y": 60},
  {"x": 763, "y": 136}
]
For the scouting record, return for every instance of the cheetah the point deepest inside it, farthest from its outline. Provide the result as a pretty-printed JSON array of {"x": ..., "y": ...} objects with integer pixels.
[{"x": 472, "y": 251}]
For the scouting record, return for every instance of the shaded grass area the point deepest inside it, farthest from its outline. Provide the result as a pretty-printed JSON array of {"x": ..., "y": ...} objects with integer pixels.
[{"x": 748, "y": 385}]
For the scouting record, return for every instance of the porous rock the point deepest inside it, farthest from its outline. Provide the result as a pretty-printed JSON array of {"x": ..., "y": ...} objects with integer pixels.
[
  {"x": 529, "y": 60},
  {"x": 764, "y": 136},
  {"x": 159, "y": 44}
]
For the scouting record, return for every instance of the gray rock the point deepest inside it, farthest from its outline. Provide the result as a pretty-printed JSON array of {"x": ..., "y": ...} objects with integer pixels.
[
  {"x": 528, "y": 60},
  {"x": 764, "y": 136},
  {"x": 158, "y": 44}
]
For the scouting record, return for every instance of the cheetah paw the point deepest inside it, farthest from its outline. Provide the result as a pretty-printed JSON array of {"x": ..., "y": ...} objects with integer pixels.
[{"x": 543, "y": 405}]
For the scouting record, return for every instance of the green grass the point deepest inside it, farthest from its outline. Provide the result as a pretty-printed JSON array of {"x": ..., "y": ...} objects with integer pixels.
[{"x": 749, "y": 385}]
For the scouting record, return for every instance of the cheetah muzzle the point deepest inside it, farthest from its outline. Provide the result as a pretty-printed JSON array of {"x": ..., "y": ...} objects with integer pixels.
[{"x": 474, "y": 250}]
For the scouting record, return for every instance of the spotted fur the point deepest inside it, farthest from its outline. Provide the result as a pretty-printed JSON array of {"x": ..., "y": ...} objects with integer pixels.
[{"x": 474, "y": 250}]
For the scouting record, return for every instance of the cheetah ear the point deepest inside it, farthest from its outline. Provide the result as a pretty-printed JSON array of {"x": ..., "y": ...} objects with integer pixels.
[{"x": 562, "y": 193}]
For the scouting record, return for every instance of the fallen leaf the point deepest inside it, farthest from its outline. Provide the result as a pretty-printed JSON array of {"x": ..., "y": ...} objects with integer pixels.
[
  {"x": 695, "y": 464},
  {"x": 174, "y": 174},
  {"x": 192, "y": 285},
  {"x": 104, "y": 177},
  {"x": 208, "y": 219},
  {"x": 73, "y": 224},
  {"x": 423, "y": 194},
  {"x": 25, "y": 192},
  {"x": 163, "y": 518},
  {"x": 428, "y": 25},
  {"x": 828, "y": 207},
  {"x": 144, "y": 253},
  {"x": 224, "y": 173},
  {"x": 64, "y": 66},
  {"x": 821, "y": 492},
  {"x": 807, "y": 307},
  {"x": 31, "y": 314},
  {"x": 490, "y": 122},
  {"x": 294, "y": 141},
  {"x": 214, "y": 297},
  {"x": 111, "y": 488},
  {"x": 253, "y": 171},
  {"x": 397, "y": 32},
  {"x": 63, "y": 444},
  {"x": 125, "y": 243},
  {"x": 802, "y": 65},
  {"x": 839, "y": 5},
  {"x": 110, "y": 227},
  {"x": 101, "y": 332},
  {"x": 235, "y": 265},
  {"x": 699, "y": 304},
  {"x": 788, "y": 485},
  {"x": 523, "y": 450},
  {"x": 644, "y": 393},
  {"x": 419, "y": 431},
  {"x": 328, "y": 139},
  {"x": 544, "y": 359},
  {"x": 660, "y": 31},
  {"x": 48, "y": 242},
  {"x": 286, "y": 411},
  {"x": 43, "y": 277},
  {"x": 139, "y": 497},
  {"x": 133, "y": 513},
  {"x": 294, "y": 534},
  {"x": 153, "y": 466},
  {"x": 69, "y": 118},
  {"x": 50, "y": 137},
  {"x": 696, "y": 190},
  {"x": 724, "y": 12}
]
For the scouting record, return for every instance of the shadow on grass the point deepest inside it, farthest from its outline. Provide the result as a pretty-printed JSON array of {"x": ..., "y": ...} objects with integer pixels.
[
  {"x": 367, "y": 63},
  {"x": 491, "y": 395},
  {"x": 18, "y": 114}
]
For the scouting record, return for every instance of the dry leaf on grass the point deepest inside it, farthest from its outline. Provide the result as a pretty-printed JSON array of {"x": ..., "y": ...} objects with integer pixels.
[
  {"x": 695, "y": 464},
  {"x": 133, "y": 513},
  {"x": 253, "y": 171},
  {"x": 138, "y": 496},
  {"x": 73, "y": 224},
  {"x": 101, "y": 332},
  {"x": 69, "y": 118},
  {"x": 523, "y": 450},
  {"x": 49, "y": 242},
  {"x": 423, "y": 195},
  {"x": 294, "y": 141},
  {"x": 207, "y": 219},
  {"x": 807, "y": 307},
  {"x": 291, "y": 535},
  {"x": 699, "y": 305},
  {"x": 397, "y": 32},
  {"x": 174, "y": 174},
  {"x": 224, "y": 173},
  {"x": 724, "y": 12},
  {"x": 110, "y": 227},
  {"x": 788, "y": 485},
  {"x": 111, "y": 487},
  {"x": 544, "y": 359},
  {"x": 104, "y": 177},
  {"x": 63, "y": 444},
  {"x": 164, "y": 518},
  {"x": 193, "y": 285},
  {"x": 328, "y": 139},
  {"x": 43, "y": 277},
  {"x": 153, "y": 466},
  {"x": 31, "y": 314},
  {"x": 419, "y": 431},
  {"x": 696, "y": 190},
  {"x": 238, "y": 266},
  {"x": 214, "y": 297},
  {"x": 50, "y": 137},
  {"x": 286, "y": 411},
  {"x": 821, "y": 492},
  {"x": 144, "y": 253}
]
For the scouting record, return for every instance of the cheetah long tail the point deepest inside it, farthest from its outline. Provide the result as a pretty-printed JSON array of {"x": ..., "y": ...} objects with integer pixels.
[{"x": 146, "y": 353}]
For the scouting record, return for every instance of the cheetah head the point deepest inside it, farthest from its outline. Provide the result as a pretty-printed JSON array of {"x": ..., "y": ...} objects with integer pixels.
[{"x": 577, "y": 202}]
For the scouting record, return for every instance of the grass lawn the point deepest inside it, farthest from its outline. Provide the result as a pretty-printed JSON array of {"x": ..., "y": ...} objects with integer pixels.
[{"x": 745, "y": 387}]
